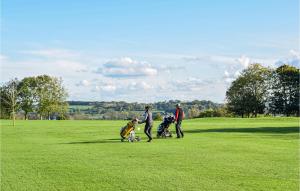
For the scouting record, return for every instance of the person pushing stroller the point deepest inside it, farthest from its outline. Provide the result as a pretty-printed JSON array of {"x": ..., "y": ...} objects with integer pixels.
[{"x": 163, "y": 129}]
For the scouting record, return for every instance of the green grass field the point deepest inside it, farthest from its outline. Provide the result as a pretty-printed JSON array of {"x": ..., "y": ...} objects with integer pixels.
[{"x": 216, "y": 154}]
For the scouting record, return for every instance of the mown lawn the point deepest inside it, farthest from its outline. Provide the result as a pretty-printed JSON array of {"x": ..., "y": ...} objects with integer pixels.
[{"x": 216, "y": 154}]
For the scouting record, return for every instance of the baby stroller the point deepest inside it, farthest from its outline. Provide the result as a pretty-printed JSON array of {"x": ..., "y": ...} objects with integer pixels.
[
  {"x": 127, "y": 132},
  {"x": 163, "y": 129}
]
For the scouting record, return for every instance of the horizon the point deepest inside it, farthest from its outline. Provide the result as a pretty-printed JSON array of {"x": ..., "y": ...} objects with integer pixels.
[
  {"x": 180, "y": 101},
  {"x": 146, "y": 52}
]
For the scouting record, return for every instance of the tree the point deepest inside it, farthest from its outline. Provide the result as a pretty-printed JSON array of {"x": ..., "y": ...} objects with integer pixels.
[
  {"x": 51, "y": 96},
  {"x": 248, "y": 93},
  {"x": 284, "y": 98},
  {"x": 5, "y": 107},
  {"x": 27, "y": 88},
  {"x": 10, "y": 98}
]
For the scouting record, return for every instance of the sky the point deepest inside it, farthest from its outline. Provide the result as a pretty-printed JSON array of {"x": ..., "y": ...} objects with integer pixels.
[{"x": 146, "y": 51}]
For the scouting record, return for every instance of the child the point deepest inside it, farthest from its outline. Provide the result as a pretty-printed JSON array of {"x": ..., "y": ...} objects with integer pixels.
[{"x": 128, "y": 130}]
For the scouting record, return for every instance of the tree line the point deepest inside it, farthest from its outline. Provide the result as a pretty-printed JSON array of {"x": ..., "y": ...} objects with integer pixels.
[
  {"x": 257, "y": 90},
  {"x": 262, "y": 90},
  {"x": 125, "y": 110},
  {"x": 44, "y": 95}
]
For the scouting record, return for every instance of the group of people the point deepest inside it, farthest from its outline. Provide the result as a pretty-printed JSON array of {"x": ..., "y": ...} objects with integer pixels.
[{"x": 148, "y": 120}]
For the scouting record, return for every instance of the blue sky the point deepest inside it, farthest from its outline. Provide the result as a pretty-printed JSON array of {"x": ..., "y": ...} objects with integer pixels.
[{"x": 146, "y": 50}]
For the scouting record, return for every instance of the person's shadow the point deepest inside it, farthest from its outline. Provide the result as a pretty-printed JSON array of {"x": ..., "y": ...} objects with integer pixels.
[
  {"x": 96, "y": 141},
  {"x": 270, "y": 130}
]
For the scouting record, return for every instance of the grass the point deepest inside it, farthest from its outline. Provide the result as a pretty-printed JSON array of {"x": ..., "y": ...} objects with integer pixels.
[{"x": 216, "y": 154}]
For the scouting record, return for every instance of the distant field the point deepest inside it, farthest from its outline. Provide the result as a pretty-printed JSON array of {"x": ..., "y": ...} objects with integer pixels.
[
  {"x": 80, "y": 107},
  {"x": 85, "y": 107},
  {"x": 216, "y": 154}
]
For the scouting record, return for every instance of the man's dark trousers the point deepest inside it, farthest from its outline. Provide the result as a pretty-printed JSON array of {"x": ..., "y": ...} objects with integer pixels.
[{"x": 179, "y": 131}]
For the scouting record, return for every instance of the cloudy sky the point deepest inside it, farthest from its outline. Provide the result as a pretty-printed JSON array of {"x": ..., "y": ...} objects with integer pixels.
[{"x": 146, "y": 51}]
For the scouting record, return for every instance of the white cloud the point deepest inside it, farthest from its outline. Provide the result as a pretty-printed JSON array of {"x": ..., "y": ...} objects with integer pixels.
[
  {"x": 126, "y": 67},
  {"x": 244, "y": 61},
  {"x": 33, "y": 67},
  {"x": 237, "y": 74},
  {"x": 84, "y": 83},
  {"x": 211, "y": 59},
  {"x": 292, "y": 59},
  {"x": 229, "y": 61},
  {"x": 191, "y": 84},
  {"x": 105, "y": 86},
  {"x": 2, "y": 57},
  {"x": 169, "y": 68},
  {"x": 228, "y": 77},
  {"x": 233, "y": 70},
  {"x": 119, "y": 87},
  {"x": 67, "y": 64},
  {"x": 52, "y": 53},
  {"x": 46, "y": 66},
  {"x": 130, "y": 80},
  {"x": 108, "y": 88},
  {"x": 295, "y": 54},
  {"x": 96, "y": 89},
  {"x": 231, "y": 76},
  {"x": 139, "y": 86},
  {"x": 56, "y": 62},
  {"x": 149, "y": 91}
]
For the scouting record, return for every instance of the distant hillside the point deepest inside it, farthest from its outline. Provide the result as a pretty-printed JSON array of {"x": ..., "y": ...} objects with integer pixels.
[{"x": 124, "y": 110}]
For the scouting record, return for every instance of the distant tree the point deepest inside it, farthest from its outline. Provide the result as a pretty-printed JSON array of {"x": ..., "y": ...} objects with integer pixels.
[
  {"x": 284, "y": 98},
  {"x": 223, "y": 111},
  {"x": 193, "y": 113},
  {"x": 248, "y": 93},
  {"x": 158, "y": 117},
  {"x": 207, "y": 113},
  {"x": 10, "y": 98}
]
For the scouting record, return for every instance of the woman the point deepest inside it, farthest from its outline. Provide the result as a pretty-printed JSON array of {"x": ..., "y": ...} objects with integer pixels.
[{"x": 149, "y": 121}]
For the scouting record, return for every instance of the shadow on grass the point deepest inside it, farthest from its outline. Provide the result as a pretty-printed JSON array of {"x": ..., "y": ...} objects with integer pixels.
[
  {"x": 96, "y": 141},
  {"x": 103, "y": 141},
  {"x": 270, "y": 130}
]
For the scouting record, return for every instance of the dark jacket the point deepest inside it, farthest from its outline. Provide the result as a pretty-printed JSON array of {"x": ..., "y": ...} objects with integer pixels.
[{"x": 148, "y": 118}]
